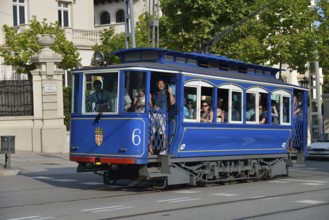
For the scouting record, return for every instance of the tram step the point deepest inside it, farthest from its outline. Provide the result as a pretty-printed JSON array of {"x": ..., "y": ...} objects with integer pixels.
[
  {"x": 158, "y": 175},
  {"x": 151, "y": 172}
]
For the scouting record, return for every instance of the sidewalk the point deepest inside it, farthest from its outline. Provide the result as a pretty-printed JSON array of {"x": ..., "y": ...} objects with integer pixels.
[{"x": 30, "y": 162}]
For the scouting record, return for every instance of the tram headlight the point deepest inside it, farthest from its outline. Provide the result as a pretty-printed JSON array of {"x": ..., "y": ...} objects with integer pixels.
[
  {"x": 99, "y": 58},
  {"x": 182, "y": 147}
]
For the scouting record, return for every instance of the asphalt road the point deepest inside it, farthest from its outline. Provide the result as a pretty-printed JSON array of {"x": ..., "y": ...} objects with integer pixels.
[{"x": 49, "y": 188}]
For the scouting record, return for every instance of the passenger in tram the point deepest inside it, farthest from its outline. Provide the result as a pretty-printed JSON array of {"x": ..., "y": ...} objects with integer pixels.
[
  {"x": 262, "y": 115},
  {"x": 297, "y": 106},
  {"x": 274, "y": 113},
  {"x": 207, "y": 114},
  {"x": 236, "y": 111},
  {"x": 126, "y": 101},
  {"x": 159, "y": 103},
  {"x": 225, "y": 109},
  {"x": 100, "y": 97},
  {"x": 250, "y": 113},
  {"x": 220, "y": 114},
  {"x": 139, "y": 101},
  {"x": 189, "y": 111}
]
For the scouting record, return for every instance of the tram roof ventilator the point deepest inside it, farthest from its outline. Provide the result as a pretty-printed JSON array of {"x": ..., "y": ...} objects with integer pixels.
[{"x": 160, "y": 55}]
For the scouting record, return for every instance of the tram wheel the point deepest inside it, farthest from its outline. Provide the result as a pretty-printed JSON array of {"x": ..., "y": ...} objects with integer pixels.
[
  {"x": 201, "y": 183},
  {"x": 106, "y": 178}
]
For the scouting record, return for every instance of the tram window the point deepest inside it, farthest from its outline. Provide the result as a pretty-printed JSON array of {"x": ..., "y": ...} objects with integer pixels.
[
  {"x": 256, "y": 105},
  {"x": 286, "y": 109},
  {"x": 75, "y": 93},
  {"x": 282, "y": 101},
  {"x": 101, "y": 92},
  {"x": 236, "y": 113},
  {"x": 275, "y": 108},
  {"x": 262, "y": 109},
  {"x": 200, "y": 92},
  {"x": 222, "y": 105},
  {"x": 206, "y": 113},
  {"x": 134, "y": 92},
  {"x": 251, "y": 107},
  {"x": 190, "y": 102}
]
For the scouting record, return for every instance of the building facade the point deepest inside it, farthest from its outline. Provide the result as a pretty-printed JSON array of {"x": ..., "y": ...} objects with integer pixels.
[{"x": 82, "y": 20}]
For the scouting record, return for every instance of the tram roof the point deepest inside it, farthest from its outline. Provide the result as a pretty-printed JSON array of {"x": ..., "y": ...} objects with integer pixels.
[
  {"x": 160, "y": 55},
  {"x": 190, "y": 69}
]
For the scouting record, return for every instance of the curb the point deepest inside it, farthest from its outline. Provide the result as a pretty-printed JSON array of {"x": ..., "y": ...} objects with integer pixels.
[{"x": 9, "y": 171}]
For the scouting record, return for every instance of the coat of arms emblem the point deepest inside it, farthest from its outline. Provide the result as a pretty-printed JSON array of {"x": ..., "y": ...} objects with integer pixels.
[{"x": 99, "y": 136}]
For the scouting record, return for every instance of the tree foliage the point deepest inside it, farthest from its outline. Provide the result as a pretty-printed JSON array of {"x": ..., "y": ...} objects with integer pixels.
[
  {"x": 111, "y": 42},
  {"x": 20, "y": 45},
  {"x": 281, "y": 33}
]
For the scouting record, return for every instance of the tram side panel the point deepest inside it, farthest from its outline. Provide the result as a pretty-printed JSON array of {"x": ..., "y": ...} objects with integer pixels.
[
  {"x": 198, "y": 140},
  {"x": 111, "y": 140}
]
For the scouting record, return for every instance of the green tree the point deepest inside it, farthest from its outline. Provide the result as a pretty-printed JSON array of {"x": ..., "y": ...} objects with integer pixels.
[
  {"x": 111, "y": 42},
  {"x": 323, "y": 40},
  {"x": 281, "y": 33},
  {"x": 21, "y": 45}
]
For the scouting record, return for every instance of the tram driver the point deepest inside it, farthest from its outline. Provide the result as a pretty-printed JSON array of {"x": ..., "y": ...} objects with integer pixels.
[{"x": 100, "y": 98}]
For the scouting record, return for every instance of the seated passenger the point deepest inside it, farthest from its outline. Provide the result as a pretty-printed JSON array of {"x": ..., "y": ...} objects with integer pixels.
[
  {"x": 236, "y": 111},
  {"x": 262, "y": 116},
  {"x": 189, "y": 111},
  {"x": 101, "y": 98},
  {"x": 250, "y": 114},
  {"x": 127, "y": 101},
  {"x": 206, "y": 113},
  {"x": 139, "y": 101},
  {"x": 220, "y": 112},
  {"x": 274, "y": 113}
]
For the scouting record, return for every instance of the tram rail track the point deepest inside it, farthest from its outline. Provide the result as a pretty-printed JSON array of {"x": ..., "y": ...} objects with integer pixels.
[
  {"x": 229, "y": 202},
  {"x": 172, "y": 209}
]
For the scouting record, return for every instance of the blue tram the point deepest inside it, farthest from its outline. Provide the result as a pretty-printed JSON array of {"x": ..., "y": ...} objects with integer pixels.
[{"x": 230, "y": 120}]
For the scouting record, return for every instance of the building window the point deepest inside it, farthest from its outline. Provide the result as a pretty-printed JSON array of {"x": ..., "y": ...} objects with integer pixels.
[
  {"x": 105, "y": 18},
  {"x": 120, "y": 16},
  {"x": 19, "y": 12},
  {"x": 63, "y": 14}
]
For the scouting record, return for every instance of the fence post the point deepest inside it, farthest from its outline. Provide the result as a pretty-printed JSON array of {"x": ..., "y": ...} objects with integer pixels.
[{"x": 49, "y": 132}]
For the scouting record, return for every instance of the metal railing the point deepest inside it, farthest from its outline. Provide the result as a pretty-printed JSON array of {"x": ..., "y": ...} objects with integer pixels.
[{"x": 16, "y": 98}]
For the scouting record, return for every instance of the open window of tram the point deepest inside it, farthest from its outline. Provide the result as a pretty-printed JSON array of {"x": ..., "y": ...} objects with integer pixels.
[
  {"x": 134, "y": 92},
  {"x": 100, "y": 92},
  {"x": 280, "y": 107},
  {"x": 190, "y": 103},
  {"x": 222, "y": 105},
  {"x": 231, "y": 97},
  {"x": 256, "y": 105},
  {"x": 199, "y": 93},
  {"x": 207, "y": 114}
]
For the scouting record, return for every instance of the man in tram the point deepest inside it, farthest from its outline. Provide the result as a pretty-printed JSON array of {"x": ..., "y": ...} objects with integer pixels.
[
  {"x": 159, "y": 102},
  {"x": 100, "y": 97}
]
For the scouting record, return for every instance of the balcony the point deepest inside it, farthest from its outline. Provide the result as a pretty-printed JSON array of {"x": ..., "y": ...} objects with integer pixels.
[{"x": 82, "y": 39}]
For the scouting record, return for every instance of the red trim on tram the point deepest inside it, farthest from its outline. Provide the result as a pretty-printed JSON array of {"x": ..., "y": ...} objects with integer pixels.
[
  {"x": 117, "y": 160},
  {"x": 102, "y": 160}
]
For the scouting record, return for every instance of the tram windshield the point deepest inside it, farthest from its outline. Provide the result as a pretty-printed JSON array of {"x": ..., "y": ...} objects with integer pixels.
[{"x": 100, "y": 93}]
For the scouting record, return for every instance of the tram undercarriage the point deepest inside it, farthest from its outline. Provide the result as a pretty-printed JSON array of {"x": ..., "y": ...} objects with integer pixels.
[
  {"x": 166, "y": 171},
  {"x": 172, "y": 172}
]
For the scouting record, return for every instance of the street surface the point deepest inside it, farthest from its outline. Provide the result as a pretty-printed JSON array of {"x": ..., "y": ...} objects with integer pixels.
[{"x": 49, "y": 188}]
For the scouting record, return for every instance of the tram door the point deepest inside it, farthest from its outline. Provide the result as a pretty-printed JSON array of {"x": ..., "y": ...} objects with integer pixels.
[
  {"x": 298, "y": 140},
  {"x": 162, "y": 112}
]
